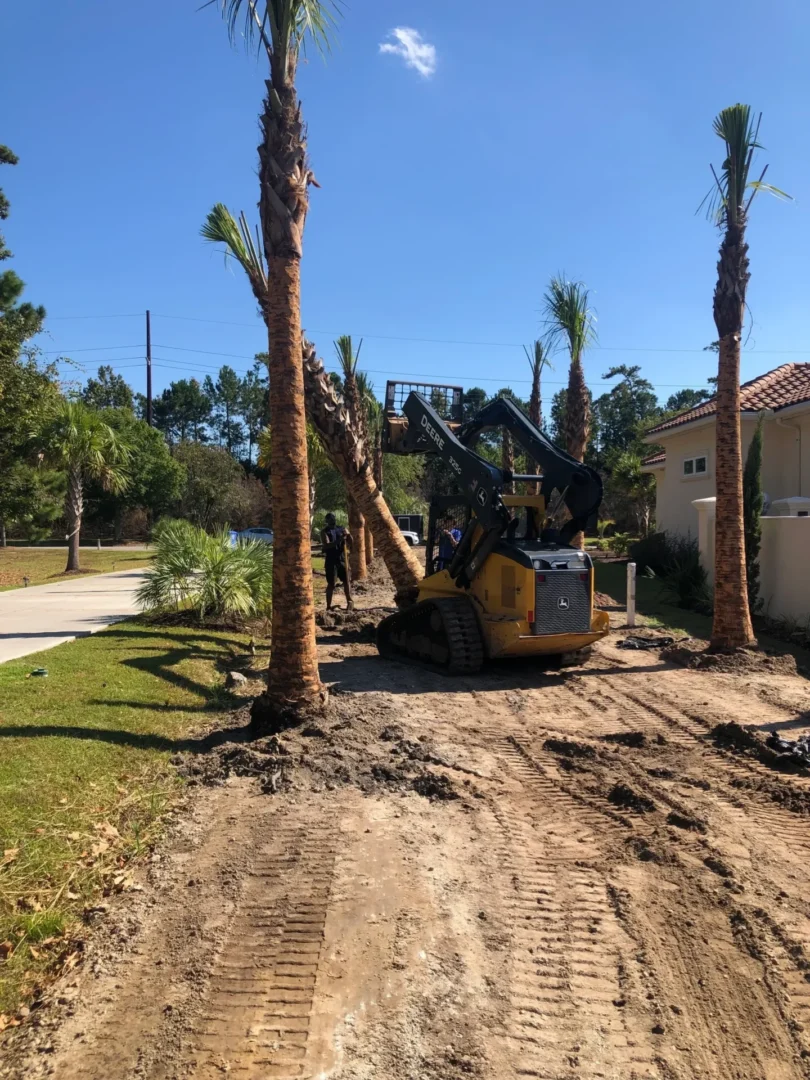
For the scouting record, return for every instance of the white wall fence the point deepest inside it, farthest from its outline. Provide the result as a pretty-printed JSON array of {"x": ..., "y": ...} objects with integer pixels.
[{"x": 784, "y": 560}]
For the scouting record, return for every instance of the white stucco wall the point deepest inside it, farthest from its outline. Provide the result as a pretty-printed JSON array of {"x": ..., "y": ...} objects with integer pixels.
[
  {"x": 782, "y": 449},
  {"x": 784, "y": 567}
]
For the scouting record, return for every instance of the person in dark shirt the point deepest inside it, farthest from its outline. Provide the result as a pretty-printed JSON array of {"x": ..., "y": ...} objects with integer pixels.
[
  {"x": 336, "y": 542},
  {"x": 449, "y": 538}
]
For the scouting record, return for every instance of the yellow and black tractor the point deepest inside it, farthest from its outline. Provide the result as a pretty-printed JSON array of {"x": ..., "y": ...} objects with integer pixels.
[{"x": 499, "y": 582}]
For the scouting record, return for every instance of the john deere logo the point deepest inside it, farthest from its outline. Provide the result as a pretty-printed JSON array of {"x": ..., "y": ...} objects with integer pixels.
[{"x": 562, "y": 603}]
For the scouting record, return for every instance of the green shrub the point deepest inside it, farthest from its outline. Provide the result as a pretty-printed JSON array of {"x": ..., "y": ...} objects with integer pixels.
[
  {"x": 684, "y": 578},
  {"x": 207, "y": 575},
  {"x": 619, "y": 543},
  {"x": 653, "y": 552}
]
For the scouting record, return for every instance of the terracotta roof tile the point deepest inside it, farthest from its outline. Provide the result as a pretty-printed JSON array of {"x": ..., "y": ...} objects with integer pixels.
[
  {"x": 784, "y": 386},
  {"x": 655, "y": 459}
]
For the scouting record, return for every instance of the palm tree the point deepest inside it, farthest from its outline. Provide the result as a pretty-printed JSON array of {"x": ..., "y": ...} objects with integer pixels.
[
  {"x": 728, "y": 203},
  {"x": 347, "y": 452},
  {"x": 372, "y": 426},
  {"x": 538, "y": 359},
  {"x": 570, "y": 319},
  {"x": 76, "y": 439},
  {"x": 347, "y": 358},
  {"x": 316, "y": 459},
  {"x": 273, "y": 264}
]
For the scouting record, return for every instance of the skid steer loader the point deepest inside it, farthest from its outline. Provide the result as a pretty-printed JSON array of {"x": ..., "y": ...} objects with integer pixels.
[{"x": 499, "y": 582}]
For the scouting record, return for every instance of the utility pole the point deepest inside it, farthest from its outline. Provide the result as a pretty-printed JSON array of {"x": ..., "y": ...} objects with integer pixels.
[{"x": 148, "y": 370}]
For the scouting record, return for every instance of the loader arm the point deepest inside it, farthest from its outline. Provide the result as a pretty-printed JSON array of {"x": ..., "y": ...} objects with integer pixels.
[
  {"x": 579, "y": 485},
  {"x": 480, "y": 482}
]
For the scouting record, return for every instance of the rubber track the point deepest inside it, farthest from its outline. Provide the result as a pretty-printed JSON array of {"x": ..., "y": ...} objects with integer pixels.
[{"x": 461, "y": 634}]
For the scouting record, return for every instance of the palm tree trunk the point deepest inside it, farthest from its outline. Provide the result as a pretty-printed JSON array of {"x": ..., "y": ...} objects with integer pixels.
[
  {"x": 293, "y": 684},
  {"x": 535, "y": 415},
  {"x": 731, "y": 627},
  {"x": 577, "y": 422},
  {"x": 357, "y": 527},
  {"x": 74, "y": 508},
  {"x": 508, "y": 460},
  {"x": 369, "y": 546},
  {"x": 378, "y": 461},
  {"x": 330, "y": 418}
]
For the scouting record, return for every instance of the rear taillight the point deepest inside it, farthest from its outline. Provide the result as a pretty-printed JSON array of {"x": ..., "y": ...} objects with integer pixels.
[
  {"x": 539, "y": 578},
  {"x": 530, "y": 617},
  {"x": 584, "y": 577}
]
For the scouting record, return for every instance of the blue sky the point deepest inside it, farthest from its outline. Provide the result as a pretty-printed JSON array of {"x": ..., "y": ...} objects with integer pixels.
[{"x": 564, "y": 137}]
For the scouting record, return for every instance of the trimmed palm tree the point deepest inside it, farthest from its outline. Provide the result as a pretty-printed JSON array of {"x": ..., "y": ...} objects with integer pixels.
[
  {"x": 372, "y": 432},
  {"x": 570, "y": 319},
  {"x": 272, "y": 261},
  {"x": 76, "y": 439},
  {"x": 728, "y": 203},
  {"x": 316, "y": 459},
  {"x": 538, "y": 360},
  {"x": 348, "y": 453},
  {"x": 347, "y": 358}
]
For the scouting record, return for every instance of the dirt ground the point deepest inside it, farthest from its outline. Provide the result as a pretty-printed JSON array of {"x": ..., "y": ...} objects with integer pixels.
[{"x": 519, "y": 874}]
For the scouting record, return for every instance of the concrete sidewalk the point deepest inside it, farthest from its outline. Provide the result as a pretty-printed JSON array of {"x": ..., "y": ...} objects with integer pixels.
[{"x": 47, "y": 615}]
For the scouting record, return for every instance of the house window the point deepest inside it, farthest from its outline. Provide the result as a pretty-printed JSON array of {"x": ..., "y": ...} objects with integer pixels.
[{"x": 695, "y": 466}]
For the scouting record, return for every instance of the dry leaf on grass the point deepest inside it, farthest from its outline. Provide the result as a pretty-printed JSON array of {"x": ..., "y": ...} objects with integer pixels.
[
  {"x": 9, "y": 855},
  {"x": 7, "y": 1021},
  {"x": 6, "y": 949}
]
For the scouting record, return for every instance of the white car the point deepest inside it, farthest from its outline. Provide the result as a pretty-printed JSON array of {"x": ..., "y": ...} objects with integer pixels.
[
  {"x": 411, "y": 538},
  {"x": 265, "y": 535}
]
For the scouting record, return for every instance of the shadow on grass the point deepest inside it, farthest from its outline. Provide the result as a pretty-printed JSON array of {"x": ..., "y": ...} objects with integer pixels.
[{"x": 202, "y": 745}]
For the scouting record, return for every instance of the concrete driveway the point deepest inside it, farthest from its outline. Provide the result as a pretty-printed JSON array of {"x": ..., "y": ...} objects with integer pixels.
[{"x": 47, "y": 615}]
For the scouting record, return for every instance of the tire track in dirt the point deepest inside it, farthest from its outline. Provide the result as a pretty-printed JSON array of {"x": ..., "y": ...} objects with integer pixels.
[
  {"x": 256, "y": 1018},
  {"x": 571, "y": 1012}
]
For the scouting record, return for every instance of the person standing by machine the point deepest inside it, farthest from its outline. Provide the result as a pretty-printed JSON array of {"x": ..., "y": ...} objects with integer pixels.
[{"x": 336, "y": 542}]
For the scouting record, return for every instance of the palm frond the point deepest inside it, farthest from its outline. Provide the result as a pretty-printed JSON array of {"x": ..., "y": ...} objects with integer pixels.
[
  {"x": 207, "y": 574},
  {"x": 221, "y": 227},
  {"x": 346, "y": 355},
  {"x": 538, "y": 356},
  {"x": 281, "y": 27},
  {"x": 568, "y": 316},
  {"x": 726, "y": 200}
]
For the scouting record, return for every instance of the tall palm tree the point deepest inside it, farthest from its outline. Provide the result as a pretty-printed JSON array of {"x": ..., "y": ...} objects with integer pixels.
[
  {"x": 348, "y": 453},
  {"x": 728, "y": 203},
  {"x": 538, "y": 360},
  {"x": 273, "y": 264},
  {"x": 76, "y": 439},
  {"x": 316, "y": 459},
  {"x": 372, "y": 427},
  {"x": 347, "y": 358},
  {"x": 570, "y": 319}
]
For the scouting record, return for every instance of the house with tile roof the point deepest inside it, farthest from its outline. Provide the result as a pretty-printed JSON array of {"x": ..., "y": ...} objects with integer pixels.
[
  {"x": 684, "y": 469},
  {"x": 683, "y": 465}
]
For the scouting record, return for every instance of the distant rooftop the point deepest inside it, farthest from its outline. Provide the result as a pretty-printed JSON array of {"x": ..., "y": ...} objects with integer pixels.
[{"x": 784, "y": 386}]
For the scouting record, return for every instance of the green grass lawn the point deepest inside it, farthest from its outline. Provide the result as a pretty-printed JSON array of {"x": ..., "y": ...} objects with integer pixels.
[
  {"x": 611, "y": 578},
  {"x": 85, "y": 774},
  {"x": 45, "y": 566}
]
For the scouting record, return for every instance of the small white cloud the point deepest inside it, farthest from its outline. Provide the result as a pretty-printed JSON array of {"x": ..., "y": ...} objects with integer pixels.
[{"x": 414, "y": 51}]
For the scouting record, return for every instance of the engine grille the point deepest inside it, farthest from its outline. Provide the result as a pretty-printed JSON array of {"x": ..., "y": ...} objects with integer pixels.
[{"x": 562, "y": 602}]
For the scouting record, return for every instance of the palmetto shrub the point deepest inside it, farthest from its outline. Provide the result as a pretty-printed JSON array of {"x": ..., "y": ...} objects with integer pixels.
[{"x": 207, "y": 575}]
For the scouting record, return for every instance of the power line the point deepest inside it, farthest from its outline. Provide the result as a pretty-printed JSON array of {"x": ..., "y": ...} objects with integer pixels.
[
  {"x": 65, "y": 318},
  {"x": 94, "y": 348}
]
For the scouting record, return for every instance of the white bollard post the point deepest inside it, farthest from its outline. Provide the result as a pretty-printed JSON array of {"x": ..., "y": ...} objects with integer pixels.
[
  {"x": 98, "y": 543},
  {"x": 631, "y": 594}
]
